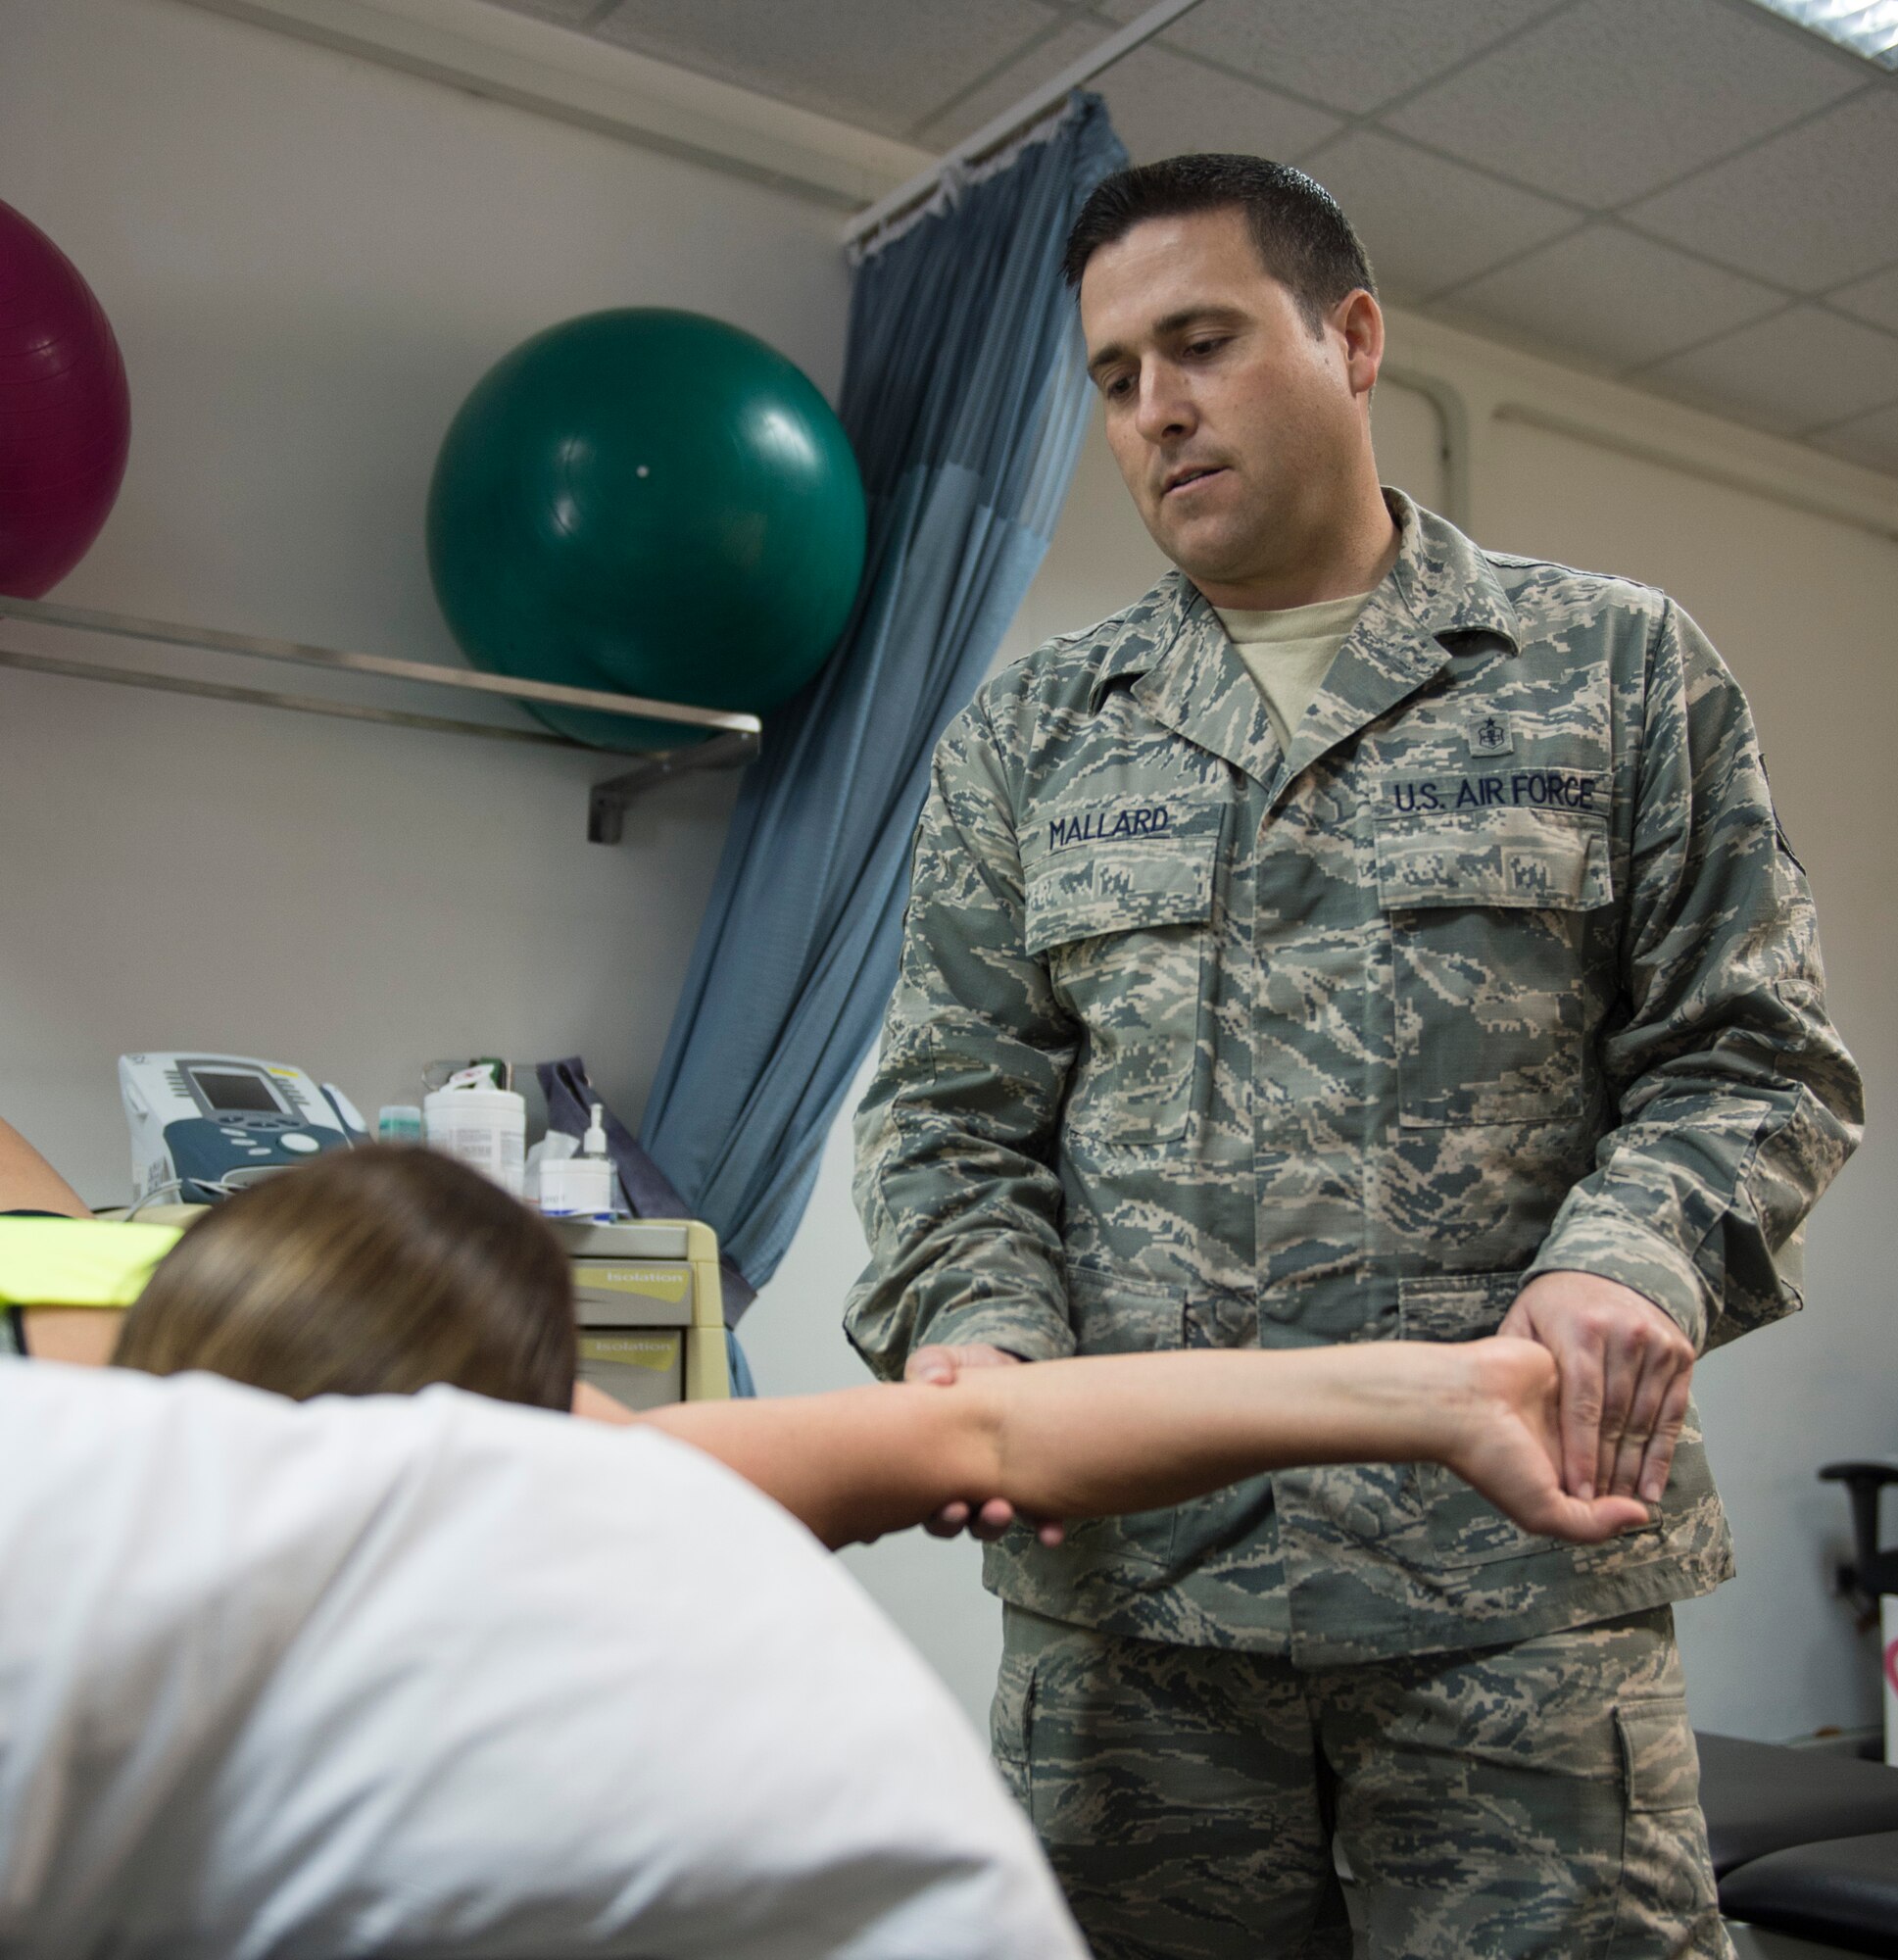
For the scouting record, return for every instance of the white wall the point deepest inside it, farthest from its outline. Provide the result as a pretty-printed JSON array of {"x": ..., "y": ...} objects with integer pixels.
[{"x": 309, "y": 261}]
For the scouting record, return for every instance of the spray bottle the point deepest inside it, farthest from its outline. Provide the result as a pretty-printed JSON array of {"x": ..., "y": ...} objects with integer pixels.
[{"x": 590, "y": 1175}]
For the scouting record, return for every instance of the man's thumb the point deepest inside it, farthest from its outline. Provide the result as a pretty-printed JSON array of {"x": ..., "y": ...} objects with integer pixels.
[
  {"x": 1516, "y": 1323},
  {"x": 934, "y": 1365}
]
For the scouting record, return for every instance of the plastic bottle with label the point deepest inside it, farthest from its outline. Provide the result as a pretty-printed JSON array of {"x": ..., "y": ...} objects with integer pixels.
[{"x": 484, "y": 1126}]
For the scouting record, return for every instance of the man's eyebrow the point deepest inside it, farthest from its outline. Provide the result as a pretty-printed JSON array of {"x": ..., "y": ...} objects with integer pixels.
[{"x": 1207, "y": 311}]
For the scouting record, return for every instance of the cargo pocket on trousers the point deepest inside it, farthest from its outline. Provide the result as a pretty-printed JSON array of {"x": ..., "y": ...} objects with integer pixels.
[
  {"x": 1011, "y": 1716},
  {"x": 1660, "y": 1764},
  {"x": 1667, "y": 1877}
]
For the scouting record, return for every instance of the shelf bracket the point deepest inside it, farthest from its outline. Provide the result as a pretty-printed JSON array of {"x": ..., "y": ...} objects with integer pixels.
[{"x": 607, "y": 812}]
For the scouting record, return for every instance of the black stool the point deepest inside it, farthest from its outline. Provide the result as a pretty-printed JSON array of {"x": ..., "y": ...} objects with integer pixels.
[
  {"x": 1842, "y": 1894},
  {"x": 1762, "y": 1797},
  {"x": 1805, "y": 1842}
]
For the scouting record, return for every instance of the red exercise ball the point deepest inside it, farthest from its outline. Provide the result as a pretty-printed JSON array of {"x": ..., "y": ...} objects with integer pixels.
[{"x": 64, "y": 416}]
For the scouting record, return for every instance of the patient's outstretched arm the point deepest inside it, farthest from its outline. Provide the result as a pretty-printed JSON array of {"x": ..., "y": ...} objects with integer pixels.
[
  {"x": 29, "y": 1183},
  {"x": 1102, "y": 1434}
]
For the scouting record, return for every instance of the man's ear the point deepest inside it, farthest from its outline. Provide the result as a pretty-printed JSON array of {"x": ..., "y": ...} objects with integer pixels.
[{"x": 1358, "y": 321}]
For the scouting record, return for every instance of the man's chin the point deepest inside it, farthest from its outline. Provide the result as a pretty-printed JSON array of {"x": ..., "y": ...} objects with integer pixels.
[{"x": 1209, "y": 556}]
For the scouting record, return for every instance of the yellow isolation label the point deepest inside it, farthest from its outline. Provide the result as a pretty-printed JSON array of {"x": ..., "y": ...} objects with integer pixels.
[
  {"x": 657, "y": 1352},
  {"x": 667, "y": 1283}
]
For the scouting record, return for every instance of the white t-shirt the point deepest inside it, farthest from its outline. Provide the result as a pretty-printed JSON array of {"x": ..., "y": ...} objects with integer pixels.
[
  {"x": 438, "y": 1675},
  {"x": 1289, "y": 654}
]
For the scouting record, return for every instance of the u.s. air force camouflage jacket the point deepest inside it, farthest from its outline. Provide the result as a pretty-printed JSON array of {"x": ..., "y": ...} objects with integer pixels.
[{"x": 1504, "y": 968}]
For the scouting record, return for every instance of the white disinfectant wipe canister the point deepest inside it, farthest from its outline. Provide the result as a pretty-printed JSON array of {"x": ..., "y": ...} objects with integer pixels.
[{"x": 484, "y": 1126}]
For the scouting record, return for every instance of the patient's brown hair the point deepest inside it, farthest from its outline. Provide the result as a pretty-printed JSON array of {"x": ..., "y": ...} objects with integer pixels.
[{"x": 372, "y": 1271}]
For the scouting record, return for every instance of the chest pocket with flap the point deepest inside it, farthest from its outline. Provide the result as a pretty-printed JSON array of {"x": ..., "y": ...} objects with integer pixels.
[
  {"x": 1488, "y": 915},
  {"x": 1125, "y": 922}
]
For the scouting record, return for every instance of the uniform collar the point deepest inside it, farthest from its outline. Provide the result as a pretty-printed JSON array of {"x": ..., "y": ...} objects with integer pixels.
[
  {"x": 1440, "y": 596},
  {"x": 1441, "y": 587},
  {"x": 1446, "y": 583},
  {"x": 1183, "y": 670},
  {"x": 1147, "y": 633}
]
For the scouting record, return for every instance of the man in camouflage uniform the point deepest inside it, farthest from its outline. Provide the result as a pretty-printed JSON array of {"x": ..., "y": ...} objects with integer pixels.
[{"x": 1489, "y": 996}]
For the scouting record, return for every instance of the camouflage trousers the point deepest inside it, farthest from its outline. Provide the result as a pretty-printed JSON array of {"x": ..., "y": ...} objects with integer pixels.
[{"x": 1541, "y": 1798}]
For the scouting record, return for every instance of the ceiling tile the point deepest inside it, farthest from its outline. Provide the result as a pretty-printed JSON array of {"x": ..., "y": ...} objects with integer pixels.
[
  {"x": 963, "y": 117},
  {"x": 1610, "y": 296},
  {"x": 1807, "y": 209},
  {"x": 1797, "y": 371},
  {"x": 1352, "y": 54},
  {"x": 883, "y": 65},
  {"x": 1163, "y": 104},
  {"x": 1613, "y": 98},
  {"x": 1428, "y": 224},
  {"x": 1872, "y": 440},
  {"x": 1875, "y": 299}
]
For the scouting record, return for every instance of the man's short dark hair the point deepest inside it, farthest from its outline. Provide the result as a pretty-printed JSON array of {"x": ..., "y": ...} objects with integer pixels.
[{"x": 1303, "y": 239}]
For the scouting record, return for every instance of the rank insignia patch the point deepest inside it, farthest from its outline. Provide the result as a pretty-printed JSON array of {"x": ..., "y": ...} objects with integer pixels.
[{"x": 1489, "y": 735}]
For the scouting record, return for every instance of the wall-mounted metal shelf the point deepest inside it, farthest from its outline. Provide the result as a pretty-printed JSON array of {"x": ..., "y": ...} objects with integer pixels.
[
  {"x": 725, "y": 740},
  {"x": 607, "y": 808}
]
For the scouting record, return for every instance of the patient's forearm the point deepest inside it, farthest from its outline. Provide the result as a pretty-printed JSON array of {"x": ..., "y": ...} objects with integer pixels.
[
  {"x": 1078, "y": 1439},
  {"x": 1122, "y": 1431},
  {"x": 29, "y": 1183}
]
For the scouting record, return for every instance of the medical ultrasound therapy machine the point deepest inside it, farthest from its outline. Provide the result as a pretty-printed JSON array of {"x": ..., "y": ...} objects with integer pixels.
[{"x": 203, "y": 1126}]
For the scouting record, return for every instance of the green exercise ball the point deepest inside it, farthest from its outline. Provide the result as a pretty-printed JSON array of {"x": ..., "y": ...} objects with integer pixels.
[{"x": 653, "y": 503}]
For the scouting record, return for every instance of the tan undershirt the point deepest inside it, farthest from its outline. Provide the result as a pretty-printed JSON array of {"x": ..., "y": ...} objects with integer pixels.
[{"x": 1290, "y": 653}]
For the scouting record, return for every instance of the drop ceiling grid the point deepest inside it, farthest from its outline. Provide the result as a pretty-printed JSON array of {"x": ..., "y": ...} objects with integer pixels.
[
  {"x": 1365, "y": 56},
  {"x": 1679, "y": 245},
  {"x": 1549, "y": 225},
  {"x": 883, "y": 65},
  {"x": 1611, "y": 100},
  {"x": 1827, "y": 80},
  {"x": 1004, "y": 83}
]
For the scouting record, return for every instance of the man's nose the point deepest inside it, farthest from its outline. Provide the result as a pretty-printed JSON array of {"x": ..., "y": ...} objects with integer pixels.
[{"x": 1165, "y": 409}]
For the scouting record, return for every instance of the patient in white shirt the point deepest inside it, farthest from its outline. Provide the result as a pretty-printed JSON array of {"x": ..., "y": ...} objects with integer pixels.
[
  {"x": 436, "y": 1676},
  {"x": 426, "y": 1674}
]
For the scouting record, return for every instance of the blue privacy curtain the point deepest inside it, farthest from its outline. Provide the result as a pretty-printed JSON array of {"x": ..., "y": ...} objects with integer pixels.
[{"x": 966, "y": 396}]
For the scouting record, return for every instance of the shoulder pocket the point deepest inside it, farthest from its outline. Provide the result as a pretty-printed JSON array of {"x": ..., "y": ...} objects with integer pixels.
[
  {"x": 1488, "y": 912},
  {"x": 1124, "y": 917}
]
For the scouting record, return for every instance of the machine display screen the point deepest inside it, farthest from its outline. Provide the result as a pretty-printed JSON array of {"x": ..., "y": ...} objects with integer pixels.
[{"x": 225, "y": 1091}]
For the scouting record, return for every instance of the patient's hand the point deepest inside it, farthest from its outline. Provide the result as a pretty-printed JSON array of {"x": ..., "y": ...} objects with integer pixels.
[
  {"x": 1506, "y": 1442},
  {"x": 939, "y": 1366}
]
